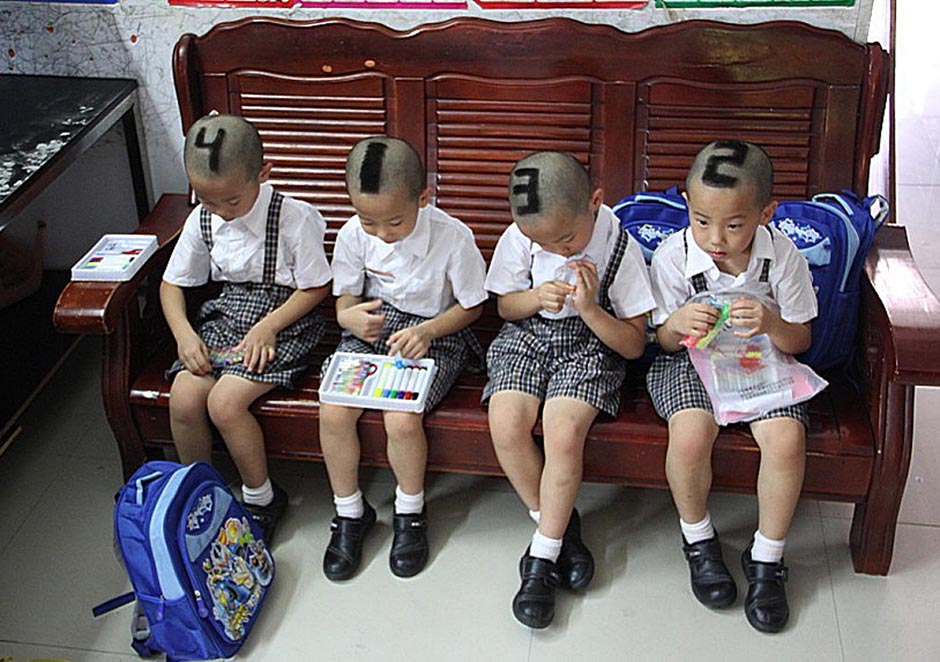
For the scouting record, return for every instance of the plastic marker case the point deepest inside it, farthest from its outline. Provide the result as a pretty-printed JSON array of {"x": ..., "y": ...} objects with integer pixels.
[
  {"x": 374, "y": 381},
  {"x": 115, "y": 257}
]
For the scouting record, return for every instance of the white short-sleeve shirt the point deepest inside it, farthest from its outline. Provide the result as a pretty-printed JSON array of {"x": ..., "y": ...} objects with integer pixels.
[
  {"x": 238, "y": 247},
  {"x": 521, "y": 264},
  {"x": 790, "y": 283},
  {"x": 425, "y": 274}
]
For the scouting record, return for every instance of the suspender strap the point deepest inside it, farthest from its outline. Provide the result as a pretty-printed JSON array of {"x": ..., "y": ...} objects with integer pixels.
[
  {"x": 613, "y": 267},
  {"x": 205, "y": 227},
  {"x": 698, "y": 280},
  {"x": 271, "y": 232}
]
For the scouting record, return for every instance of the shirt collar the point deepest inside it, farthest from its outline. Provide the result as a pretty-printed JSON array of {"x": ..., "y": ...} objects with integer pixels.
[
  {"x": 256, "y": 220},
  {"x": 699, "y": 262},
  {"x": 597, "y": 246}
]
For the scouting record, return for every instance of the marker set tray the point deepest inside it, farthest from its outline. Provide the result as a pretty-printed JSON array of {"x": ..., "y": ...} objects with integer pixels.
[{"x": 373, "y": 381}]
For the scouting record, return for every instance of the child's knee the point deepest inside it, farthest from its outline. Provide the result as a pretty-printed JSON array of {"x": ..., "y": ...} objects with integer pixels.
[
  {"x": 186, "y": 402},
  {"x": 224, "y": 411},
  {"x": 692, "y": 435},
  {"x": 781, "y": 439},
  {"x": 336, "y": 418},
  {"x": 511, "y": 417},
  {"x": 403, "y": 426}
]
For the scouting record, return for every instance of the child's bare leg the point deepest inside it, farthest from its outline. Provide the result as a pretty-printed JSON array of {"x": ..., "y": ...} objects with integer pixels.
[
  {"x": 340, "y": 443},
  {"x": 565, "y": 423},
  {"x": 512, "y": 415},
  {"x": 407, "y": 449},
  {"x": 228, "y": 408},
  {"x": 782, "y": 444},
  {"x": 692, "y": 434},
  {"x": 189, "y": 417}
]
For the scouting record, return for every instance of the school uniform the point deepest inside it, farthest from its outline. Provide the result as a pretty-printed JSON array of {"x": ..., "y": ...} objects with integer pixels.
[
  {"x": 551, "y": 354},
  {"x": 417, "y": 278},
  {"x": 680, "y": 269},
  {"x": 261, "y": 258}
]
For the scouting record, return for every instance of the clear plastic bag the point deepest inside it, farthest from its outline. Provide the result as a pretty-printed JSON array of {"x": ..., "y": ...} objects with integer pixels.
[{"x": 746, "y": 377}]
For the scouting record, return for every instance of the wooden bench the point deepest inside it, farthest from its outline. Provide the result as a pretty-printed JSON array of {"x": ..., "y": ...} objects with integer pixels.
[{"x": 473, "y": 96}]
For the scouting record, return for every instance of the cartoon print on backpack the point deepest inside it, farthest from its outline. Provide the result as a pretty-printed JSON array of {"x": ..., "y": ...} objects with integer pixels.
[{"x": 237, "y": 568}]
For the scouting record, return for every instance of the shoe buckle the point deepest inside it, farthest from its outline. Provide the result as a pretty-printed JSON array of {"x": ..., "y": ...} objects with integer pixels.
[
  {"x": 783, "y": 574},
  {"x": 418, "y": 524}
]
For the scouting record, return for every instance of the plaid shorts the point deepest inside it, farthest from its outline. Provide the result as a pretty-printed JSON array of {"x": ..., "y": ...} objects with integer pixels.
[
  {"x": 223, "y": 322},
  {"x": 452, "y": 354},
  {"x": 674, "y": 385},
  {"x": 554, "y": 359}
]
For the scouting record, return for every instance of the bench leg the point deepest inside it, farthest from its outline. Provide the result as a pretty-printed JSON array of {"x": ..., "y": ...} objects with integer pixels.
[
  {"x": 115, "y": 389},
  {"x": 872, "y": 536}
]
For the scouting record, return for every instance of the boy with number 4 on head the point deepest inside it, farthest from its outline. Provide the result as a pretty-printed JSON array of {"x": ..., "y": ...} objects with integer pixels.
[
  {"x": 729, "y": 246},
  {"x": 267, "y": 250}
]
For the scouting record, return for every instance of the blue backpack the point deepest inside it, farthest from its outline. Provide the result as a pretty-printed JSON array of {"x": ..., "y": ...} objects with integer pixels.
[
  {"x": 833, "y": 231},
  {"x": 199, "y": 568},
  {"x": 651, "y": 217}
]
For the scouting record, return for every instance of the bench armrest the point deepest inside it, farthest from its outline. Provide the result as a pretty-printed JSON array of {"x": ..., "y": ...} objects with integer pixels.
[
  {"x": 97, "y": 307},
  {"x": 909, "y": 312}
]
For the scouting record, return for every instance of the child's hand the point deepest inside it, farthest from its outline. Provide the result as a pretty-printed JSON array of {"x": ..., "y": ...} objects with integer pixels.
[
  {"x": 194, "y": 354},
  {"x": 585, "y": 291},
  {"x": 361, "y": 321},
  {"x": 412, "y": 342},
  {"x": 257, "y": 347},
  {"x": 752, "y": 315},
  {"x": 693, "y": 319},
  {"x": 552, "y": 294}
]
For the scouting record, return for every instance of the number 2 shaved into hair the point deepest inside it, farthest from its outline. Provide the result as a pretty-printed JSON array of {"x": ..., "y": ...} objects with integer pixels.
[{"x": 737, "y": 157}]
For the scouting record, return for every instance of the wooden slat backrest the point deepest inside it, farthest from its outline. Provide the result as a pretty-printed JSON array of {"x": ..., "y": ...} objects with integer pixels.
[{"x": 474, "y": 95}]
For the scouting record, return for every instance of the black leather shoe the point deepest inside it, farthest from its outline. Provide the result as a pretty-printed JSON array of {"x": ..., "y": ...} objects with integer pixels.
[
  {"x": 534, "y": 604},
  {"x": 409, "y": 552},
  {"x": 766, "y": 603},
  {"x": 268, "y": 516},
  {"x": 712, "y": 583},
  {"x": 575, "y": 562},
  {"x": 345, "y": 549}
]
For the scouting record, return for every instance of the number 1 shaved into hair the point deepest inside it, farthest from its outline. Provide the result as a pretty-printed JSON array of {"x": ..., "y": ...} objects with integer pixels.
[{"x": 370, "y": 174}]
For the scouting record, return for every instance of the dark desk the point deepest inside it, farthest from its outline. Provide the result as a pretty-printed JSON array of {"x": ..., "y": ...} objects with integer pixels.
[{"x": 46, "y": 124}]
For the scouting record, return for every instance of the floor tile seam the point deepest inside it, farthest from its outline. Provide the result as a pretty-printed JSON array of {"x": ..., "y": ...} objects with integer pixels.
[
  {"x": 36, "y": 502},
  {"x": 832, "y": 591},
  {"x": 64, "y": 647}
]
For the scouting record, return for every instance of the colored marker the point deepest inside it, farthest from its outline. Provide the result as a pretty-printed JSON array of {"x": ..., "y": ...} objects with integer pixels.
[
  {"x": 397, "y": 383},
  {"x": 412, "y": 382},
  {"x": 384, "y": 378},
  {"x": 406, "y": 383}
]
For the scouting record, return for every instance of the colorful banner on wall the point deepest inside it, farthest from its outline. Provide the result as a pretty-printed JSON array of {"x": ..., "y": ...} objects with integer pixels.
[
  {"x": 686, "y": 4},
  {"x": 419, "y": 4}
]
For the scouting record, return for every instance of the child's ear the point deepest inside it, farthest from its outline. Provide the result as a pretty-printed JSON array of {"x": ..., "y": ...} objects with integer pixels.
[
  {"x": 424, "y": 198},
  {"x": 597, "y": 199},
  {"x": 265, "y": 172},
  {"x": 767, "y": 212}
]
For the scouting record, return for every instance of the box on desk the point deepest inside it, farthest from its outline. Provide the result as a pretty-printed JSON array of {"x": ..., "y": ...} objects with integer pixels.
[
  {"x": 115, "y": 257},
  {"x": 374, "y": 381}
]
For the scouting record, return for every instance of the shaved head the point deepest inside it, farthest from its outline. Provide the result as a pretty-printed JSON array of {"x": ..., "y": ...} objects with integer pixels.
[
  {"x": 218, "y": 146},
  {"x": 381, "y": 164},
  {"x": 546, "y": 183},
  {"x": 734, "y": 164}
]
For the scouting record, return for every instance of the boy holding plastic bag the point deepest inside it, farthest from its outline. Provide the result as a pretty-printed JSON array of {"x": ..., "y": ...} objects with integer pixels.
[{"x": 755, "y": 301}]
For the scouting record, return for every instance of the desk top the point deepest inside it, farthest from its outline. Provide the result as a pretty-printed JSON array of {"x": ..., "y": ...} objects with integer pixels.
[{"x": 46, "y": 122}]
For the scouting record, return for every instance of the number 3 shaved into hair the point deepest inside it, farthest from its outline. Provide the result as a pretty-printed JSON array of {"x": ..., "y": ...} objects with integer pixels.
[{"x": 530, "y": 189}]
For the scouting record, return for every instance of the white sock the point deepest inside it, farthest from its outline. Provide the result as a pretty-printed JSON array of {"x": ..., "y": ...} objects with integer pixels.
[
  {"x": 408, "y": 504},
  {"x": 767, "y": 550},
  {"x": 351, "y": 506},
  {"x": 544, "y": 547},
  {"x": 258, "y": 496},
  {"x": 699, "y": 531},
  {"x": 536, "y": 515}
]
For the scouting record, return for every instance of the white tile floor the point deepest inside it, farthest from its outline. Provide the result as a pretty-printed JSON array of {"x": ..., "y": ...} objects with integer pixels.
[{"x": 57, "y": 482}]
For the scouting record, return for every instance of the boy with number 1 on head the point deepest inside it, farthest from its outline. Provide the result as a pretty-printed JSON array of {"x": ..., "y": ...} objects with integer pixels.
[{"x": 409, "y": 281}]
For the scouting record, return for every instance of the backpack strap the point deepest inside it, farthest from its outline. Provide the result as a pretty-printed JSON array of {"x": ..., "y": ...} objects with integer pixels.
[
  {"x": 765, "y": 267},
  {"x": 271, "y": 232},
  {"x": 112, "y": 604},
  {"x": 699, "y": 284}
]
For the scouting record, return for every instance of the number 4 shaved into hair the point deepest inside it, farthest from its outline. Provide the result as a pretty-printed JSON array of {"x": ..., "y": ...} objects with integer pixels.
[{"x": 214, "y": 147}]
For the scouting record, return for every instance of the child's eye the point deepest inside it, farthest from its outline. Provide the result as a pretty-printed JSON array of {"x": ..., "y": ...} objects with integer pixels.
[{"x": 734, "y": 226}]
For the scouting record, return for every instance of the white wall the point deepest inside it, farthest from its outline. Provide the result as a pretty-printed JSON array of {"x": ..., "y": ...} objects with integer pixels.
[{"x": 134, "y": 39}]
